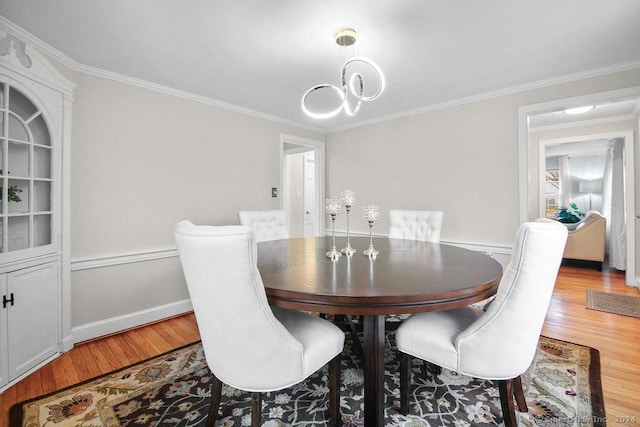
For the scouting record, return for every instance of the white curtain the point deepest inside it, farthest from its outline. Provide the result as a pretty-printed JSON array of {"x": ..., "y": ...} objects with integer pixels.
[
  {"x": 564, "y": 193},
  {"x": 614, "y": 191}
]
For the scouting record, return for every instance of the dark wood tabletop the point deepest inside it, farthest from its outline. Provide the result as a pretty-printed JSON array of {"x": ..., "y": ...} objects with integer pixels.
[{"x": 407, "y": 276}]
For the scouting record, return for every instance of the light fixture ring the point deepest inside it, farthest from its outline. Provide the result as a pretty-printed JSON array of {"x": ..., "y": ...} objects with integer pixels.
[
  {"x": 374, "y": 67},
  {"x": 328, "y": 114},
  {"x": 347, "y": 107}
]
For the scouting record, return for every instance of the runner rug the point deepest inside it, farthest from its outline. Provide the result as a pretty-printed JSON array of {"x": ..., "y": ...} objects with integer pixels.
[
  {"x": 562, "y": 388},
  {"x": 625, "y": 305}
]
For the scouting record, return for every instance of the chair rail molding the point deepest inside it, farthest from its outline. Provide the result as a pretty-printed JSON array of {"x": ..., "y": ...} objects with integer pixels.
[{"x": 112, "y": 260}]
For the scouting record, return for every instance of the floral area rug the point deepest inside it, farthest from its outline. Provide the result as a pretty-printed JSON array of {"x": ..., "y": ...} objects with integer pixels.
[{"x": 562, "y": 388}]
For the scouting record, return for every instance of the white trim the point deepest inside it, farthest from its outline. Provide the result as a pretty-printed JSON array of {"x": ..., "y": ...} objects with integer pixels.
[
  {"x": 110, "y": 261},
  {"x": 583, "y": 123},
  {"x": 128, "y": 321},
  {"x": 502, "y": 254}
]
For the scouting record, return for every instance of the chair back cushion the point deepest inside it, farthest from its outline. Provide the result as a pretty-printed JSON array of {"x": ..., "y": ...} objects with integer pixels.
[
  {"x": 415, "y": 225},
  {"x": 502, "y": 342},
  {"x": 245, "y": 345},
  {"x": 267, "y": 224}
]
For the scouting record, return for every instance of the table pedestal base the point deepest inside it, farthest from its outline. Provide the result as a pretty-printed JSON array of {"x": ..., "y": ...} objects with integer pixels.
[{"x": 373, "y": 331}]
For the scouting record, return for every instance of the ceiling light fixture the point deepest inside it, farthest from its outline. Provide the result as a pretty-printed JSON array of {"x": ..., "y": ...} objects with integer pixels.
[
  {"x": 579, "y": 110},
  {"x": 352, "y": 87}
]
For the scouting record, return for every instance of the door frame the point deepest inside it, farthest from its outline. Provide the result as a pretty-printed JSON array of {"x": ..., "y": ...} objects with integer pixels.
[
  {"x": 524, "y": 164},
  {"x": 318, "y": 147}
]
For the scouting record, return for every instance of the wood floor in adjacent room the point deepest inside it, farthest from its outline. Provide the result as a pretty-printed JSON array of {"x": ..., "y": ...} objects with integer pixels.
[{"x": 617, "y": 337}]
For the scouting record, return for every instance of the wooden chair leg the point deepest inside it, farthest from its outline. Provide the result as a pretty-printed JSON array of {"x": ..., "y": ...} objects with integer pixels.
[
  {"x": 519, "y": 394},
  {"x": 334, "y": 390},
  {"x": 256, "y": 409},
  {"x": 405, "y": 382},
  {"x": 506, "y": 401},
  {"x": 216, "y": 395}
]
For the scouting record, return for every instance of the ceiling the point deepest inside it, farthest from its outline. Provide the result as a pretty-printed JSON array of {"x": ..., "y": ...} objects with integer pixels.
[{"x": 262, "y": 55}]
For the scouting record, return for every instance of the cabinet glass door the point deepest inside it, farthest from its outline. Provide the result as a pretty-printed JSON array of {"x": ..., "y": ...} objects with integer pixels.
[{"x": 26, "y": 181}]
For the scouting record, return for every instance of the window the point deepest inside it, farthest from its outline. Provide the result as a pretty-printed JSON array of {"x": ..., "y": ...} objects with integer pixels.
[{"x": 552, "y": 188}]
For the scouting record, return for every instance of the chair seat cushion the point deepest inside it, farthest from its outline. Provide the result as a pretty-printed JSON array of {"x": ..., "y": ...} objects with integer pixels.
[
  {"x": 321, "y": 339},
  {"x": 434, "y": 334}
]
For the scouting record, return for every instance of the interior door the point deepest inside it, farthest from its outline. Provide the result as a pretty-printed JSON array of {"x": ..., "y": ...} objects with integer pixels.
[{"x": 310, "y": 210}]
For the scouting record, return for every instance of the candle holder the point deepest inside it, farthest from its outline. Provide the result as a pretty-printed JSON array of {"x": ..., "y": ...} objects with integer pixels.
[
  {"x": 348, "y": 199},
  {"x": 370, "y": 215},
  {"x": 333, "y": 208}
]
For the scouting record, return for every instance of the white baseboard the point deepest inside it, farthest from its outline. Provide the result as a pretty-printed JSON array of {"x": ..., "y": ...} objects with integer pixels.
[
  {"x": 67, "y": 343},
  {"x": 127, "y": 321}
]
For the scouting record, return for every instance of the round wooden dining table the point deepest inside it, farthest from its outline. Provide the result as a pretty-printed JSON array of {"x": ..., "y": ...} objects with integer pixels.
[{"x": 407, "y": 276}]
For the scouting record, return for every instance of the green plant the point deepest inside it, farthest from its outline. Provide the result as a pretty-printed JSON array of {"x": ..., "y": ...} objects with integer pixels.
[
  {"x": 569, "y": 214},
  {"x": 12, "y": 193}
]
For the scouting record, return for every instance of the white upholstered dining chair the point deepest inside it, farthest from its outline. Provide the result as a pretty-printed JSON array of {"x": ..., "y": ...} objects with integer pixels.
[
  {"x": 248, "y": 344},
  {"x": 415, "y": 224},
  {"x": 267, "y": 224},
  {"x": 499, "y": 343}
]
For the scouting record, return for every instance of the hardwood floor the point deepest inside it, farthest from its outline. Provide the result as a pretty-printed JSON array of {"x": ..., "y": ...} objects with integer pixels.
[{"x": 616, "y": 337}]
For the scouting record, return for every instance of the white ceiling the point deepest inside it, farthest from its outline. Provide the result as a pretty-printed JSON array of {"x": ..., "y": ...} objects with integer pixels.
[{"x": 262, "y": 55}]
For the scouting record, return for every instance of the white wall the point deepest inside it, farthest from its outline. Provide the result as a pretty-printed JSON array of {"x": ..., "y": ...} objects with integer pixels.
[
  {"x": 462, "y": 160},
  {"x": 142, "y": 161}
]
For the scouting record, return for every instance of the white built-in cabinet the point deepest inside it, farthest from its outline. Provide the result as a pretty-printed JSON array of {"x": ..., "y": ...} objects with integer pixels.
[
  {"x": 32, "y": 316},
  {"x": 35, "y": 107}
]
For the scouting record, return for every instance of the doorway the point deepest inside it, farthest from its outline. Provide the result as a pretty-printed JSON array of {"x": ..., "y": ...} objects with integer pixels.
[
  {"x": 529, "y": 187},
  {"x": 302, "y": 182},
  {"x": 592, "y": 171}
]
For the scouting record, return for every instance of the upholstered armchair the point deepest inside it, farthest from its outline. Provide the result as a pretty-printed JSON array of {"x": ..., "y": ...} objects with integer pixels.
[
  {"x": 248, "y": 344},
  {"x": 267, "y": 224},
  {"x": 415, "y": 225},
  {"x": 499, "y": 343},
  {"x": 587, "y": 241}
]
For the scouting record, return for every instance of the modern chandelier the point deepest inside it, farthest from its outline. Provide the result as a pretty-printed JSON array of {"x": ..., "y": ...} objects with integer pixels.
[{"x": 351, "y": 93}]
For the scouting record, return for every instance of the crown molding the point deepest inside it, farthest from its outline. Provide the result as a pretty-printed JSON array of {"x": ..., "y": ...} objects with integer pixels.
[{"x": 568, "y": 78}]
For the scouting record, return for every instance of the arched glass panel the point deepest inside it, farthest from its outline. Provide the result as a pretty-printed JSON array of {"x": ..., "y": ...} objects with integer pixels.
[
  {"x": 26, "y": 180},
  {"x": 17, "y": 128},
  {"x": 20, "y": 105}
]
